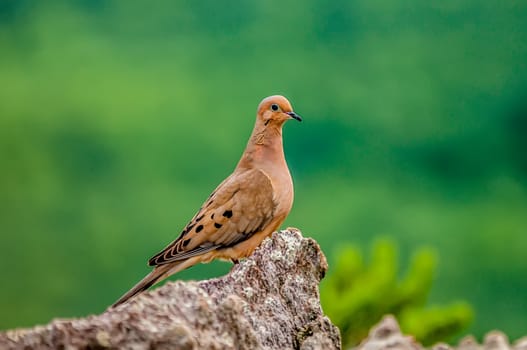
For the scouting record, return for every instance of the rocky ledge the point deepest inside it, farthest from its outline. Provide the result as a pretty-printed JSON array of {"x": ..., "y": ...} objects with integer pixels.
[{"x": 268, "y": 301}]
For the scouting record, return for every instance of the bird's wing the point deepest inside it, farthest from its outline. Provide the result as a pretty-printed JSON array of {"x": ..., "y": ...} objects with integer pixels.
[{"x": 241, "y": 205}]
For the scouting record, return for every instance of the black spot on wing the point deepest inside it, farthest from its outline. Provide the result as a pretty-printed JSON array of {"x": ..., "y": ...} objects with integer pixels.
[
  {"x": 188, "y": 229},
  {"x": 217, "y": 225},
  {"x": 227, "y": 213},
  {"x": 174, "y": 252}
]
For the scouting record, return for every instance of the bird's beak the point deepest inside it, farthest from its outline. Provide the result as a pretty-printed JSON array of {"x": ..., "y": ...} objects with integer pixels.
[{"x": 294, "y": 116}]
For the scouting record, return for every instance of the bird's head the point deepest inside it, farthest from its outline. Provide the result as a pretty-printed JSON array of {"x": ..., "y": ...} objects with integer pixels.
[{"x": 276, "y": 110}]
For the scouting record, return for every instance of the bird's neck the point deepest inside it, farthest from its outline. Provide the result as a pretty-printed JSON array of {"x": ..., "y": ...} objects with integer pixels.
[{"x": 264, "y": 150}]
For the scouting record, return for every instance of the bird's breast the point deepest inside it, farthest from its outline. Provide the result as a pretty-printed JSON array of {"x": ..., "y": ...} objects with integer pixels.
[{"x": 283, "y": 193}]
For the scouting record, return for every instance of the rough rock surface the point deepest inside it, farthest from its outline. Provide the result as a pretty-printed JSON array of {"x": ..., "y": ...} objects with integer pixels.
[
  {"x": 387, "y": 336},
  {"x": 268, "y": 301}
]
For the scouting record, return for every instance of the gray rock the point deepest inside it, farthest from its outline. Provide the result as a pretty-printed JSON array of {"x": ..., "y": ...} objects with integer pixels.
[
  {"x": 268, "y": 301},
  {"x": 387, "y": 335}
]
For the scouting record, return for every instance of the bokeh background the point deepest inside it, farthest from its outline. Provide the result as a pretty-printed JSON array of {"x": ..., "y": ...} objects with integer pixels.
[{"x": 118, "y": 118}]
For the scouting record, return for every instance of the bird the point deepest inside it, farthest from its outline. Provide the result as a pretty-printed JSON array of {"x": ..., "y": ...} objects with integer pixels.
[{"x": 248, "y": 206}]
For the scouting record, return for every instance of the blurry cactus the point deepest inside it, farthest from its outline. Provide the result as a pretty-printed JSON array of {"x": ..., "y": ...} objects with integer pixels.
[{"x": 356, "y": 295}]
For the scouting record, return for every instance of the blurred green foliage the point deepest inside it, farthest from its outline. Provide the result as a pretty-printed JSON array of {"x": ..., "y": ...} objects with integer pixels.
[
  {"x": 356, "y": 294},
  {"x": 118, "y": 118}
]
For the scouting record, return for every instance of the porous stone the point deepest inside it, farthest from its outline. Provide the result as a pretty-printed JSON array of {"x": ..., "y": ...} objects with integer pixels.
[{"x": 268, "y": 301}]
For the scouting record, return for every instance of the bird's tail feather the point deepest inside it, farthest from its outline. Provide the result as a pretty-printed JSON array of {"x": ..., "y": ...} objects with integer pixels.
[{"x": 158, "y": 274}]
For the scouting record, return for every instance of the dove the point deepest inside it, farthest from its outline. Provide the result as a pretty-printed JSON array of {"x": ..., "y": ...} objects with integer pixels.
[{"x": 242, "y": 211}]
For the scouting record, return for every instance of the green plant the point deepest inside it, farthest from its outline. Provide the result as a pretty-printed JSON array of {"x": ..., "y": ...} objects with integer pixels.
[{"x": 357, "y": 294}]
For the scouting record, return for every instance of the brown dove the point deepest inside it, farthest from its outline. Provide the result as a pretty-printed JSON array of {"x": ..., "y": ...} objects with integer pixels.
[{"x": 244, "y": 209}]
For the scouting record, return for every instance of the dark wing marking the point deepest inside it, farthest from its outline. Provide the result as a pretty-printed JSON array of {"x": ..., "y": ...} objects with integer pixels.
[{"x": 241, "y": 206}]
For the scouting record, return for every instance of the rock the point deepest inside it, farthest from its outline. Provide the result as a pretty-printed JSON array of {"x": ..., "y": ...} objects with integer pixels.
[
  {"x": 469, "y": 342},
  {"x": 521, "y": 344},
  {"x": 496, "y": 340},
  {"x": 387, "y": 335},
  {"x": 268, "y": 301}
]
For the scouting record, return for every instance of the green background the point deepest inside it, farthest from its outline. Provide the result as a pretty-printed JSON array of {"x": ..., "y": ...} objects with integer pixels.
[{"x": 118, "y": 118}]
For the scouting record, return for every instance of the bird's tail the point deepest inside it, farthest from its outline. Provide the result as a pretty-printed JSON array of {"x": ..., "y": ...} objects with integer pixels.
[{"x": 158, "y": 274}]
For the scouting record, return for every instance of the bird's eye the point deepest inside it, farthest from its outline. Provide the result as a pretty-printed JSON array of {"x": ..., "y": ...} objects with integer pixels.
[{"x": 274, "y": 107}]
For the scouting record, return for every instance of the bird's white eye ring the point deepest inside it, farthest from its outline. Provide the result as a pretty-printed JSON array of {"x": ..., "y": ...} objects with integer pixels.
[{"x": 274, "y": 107}]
